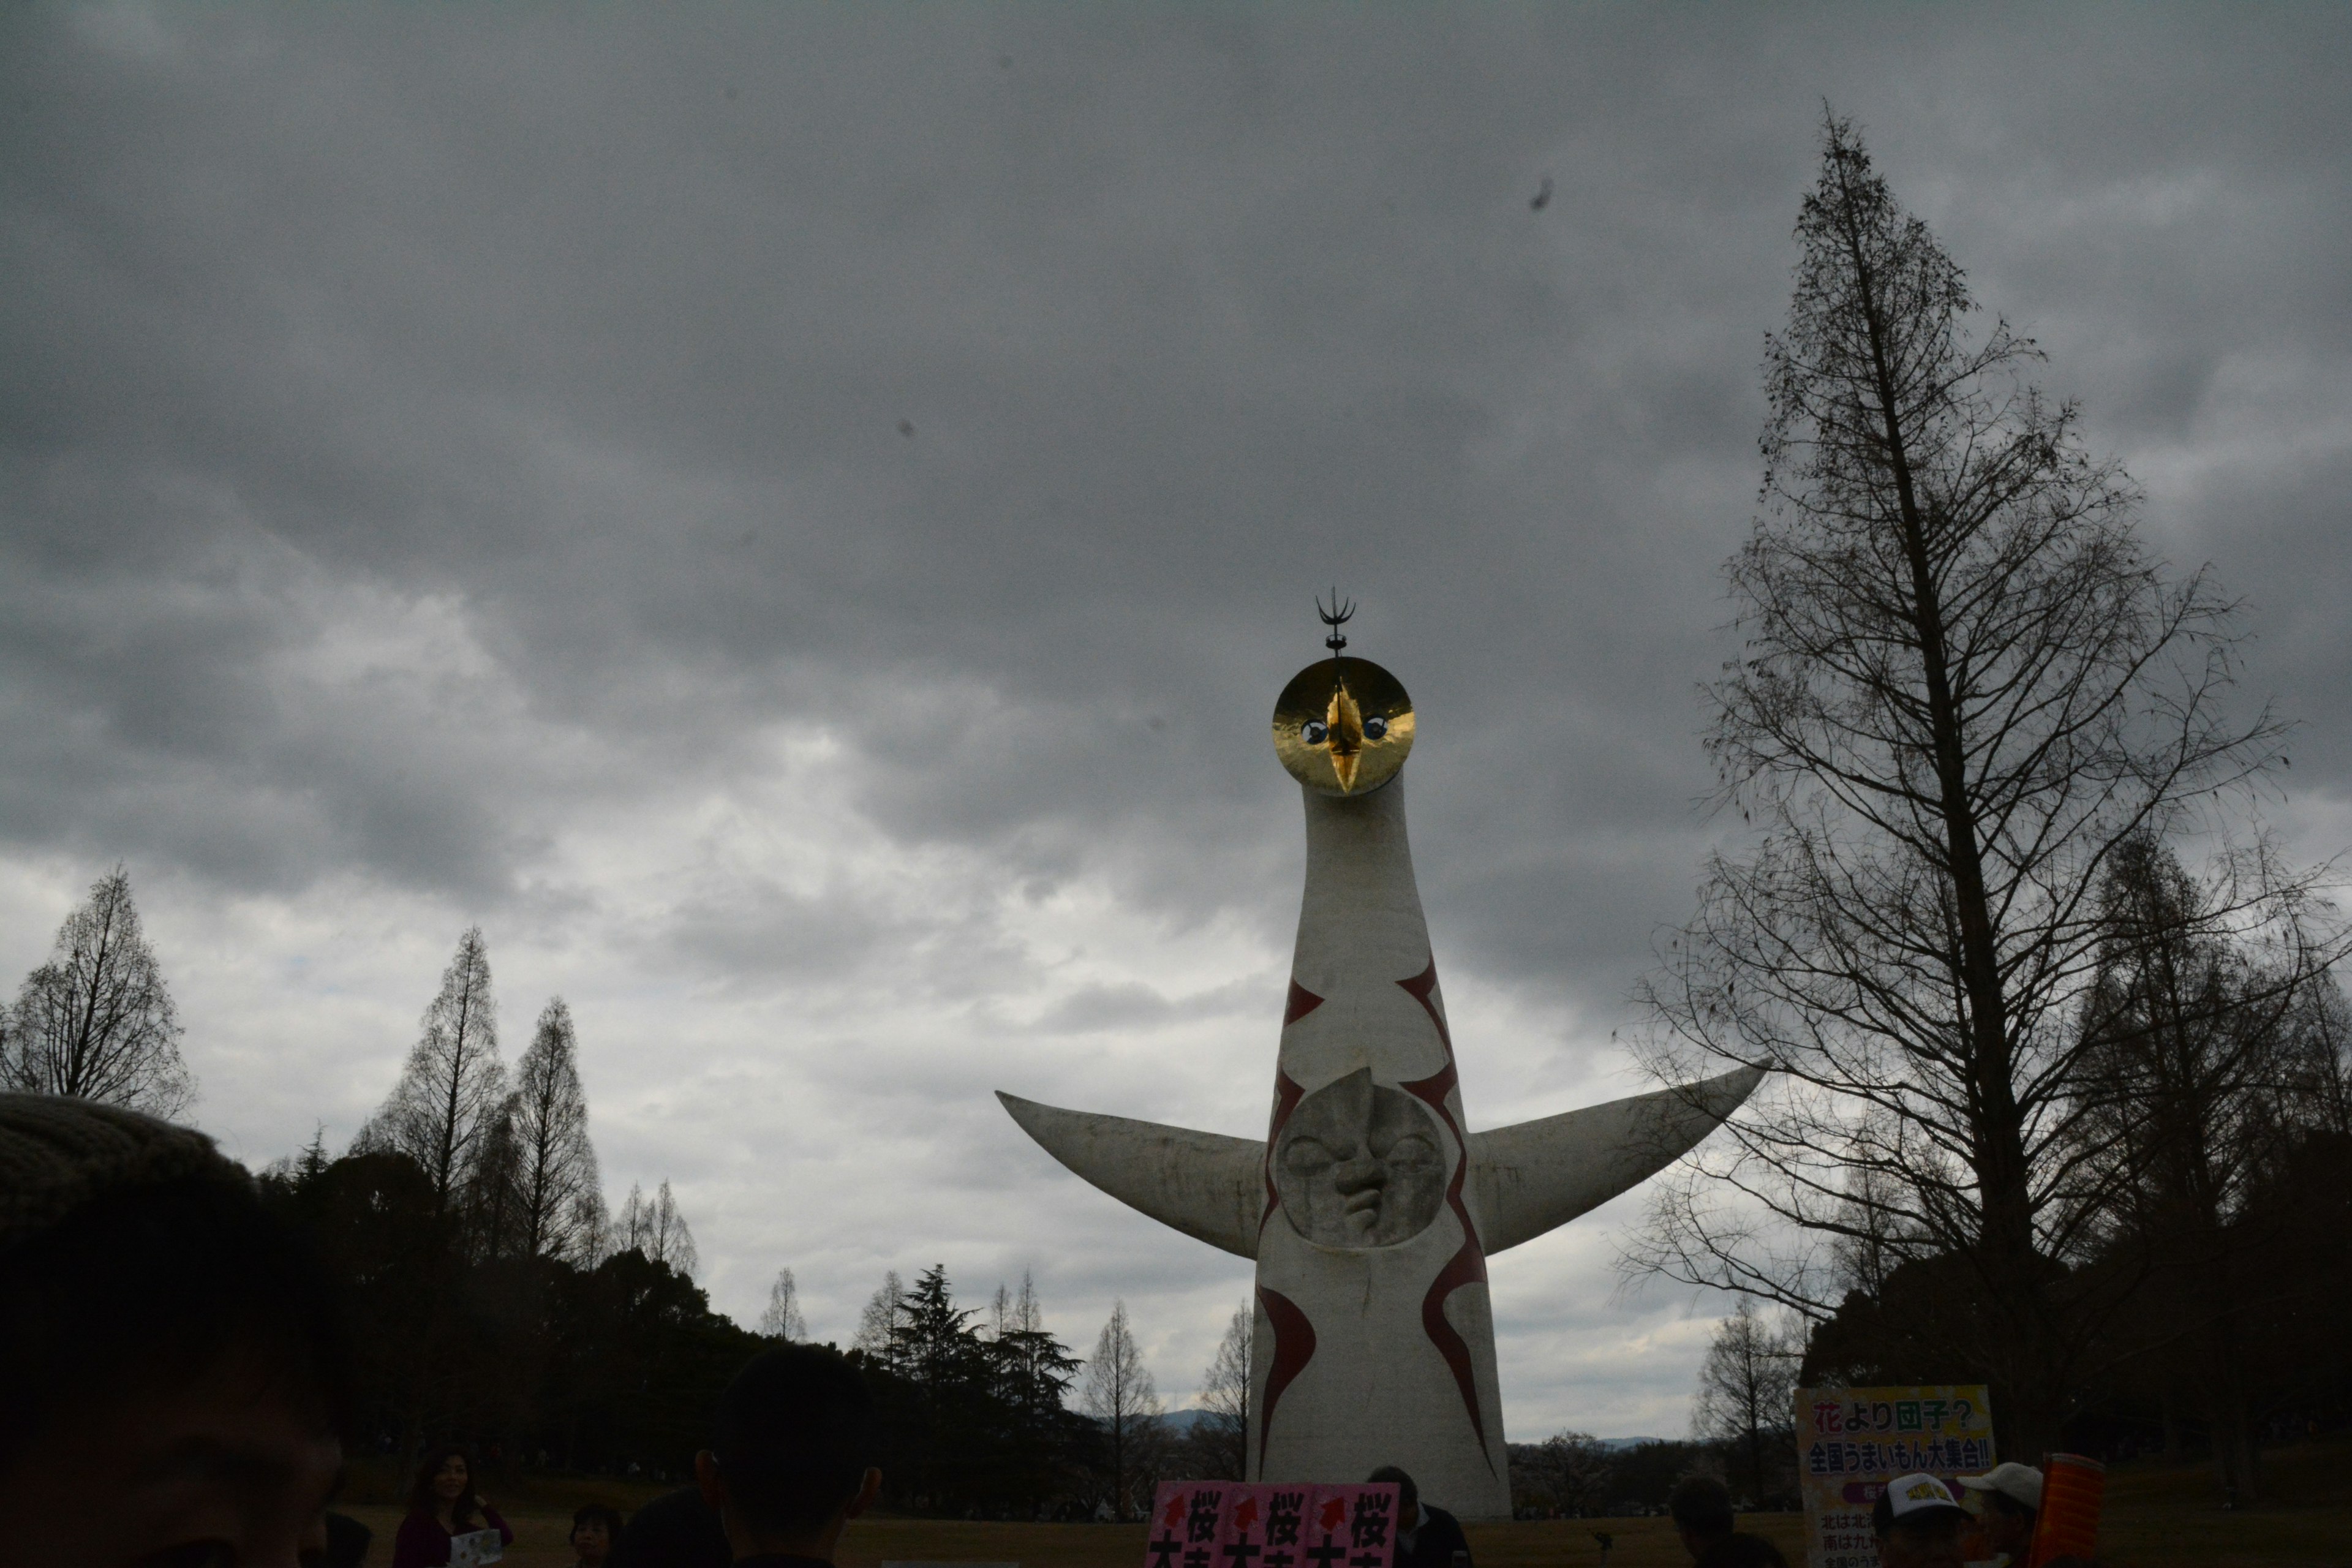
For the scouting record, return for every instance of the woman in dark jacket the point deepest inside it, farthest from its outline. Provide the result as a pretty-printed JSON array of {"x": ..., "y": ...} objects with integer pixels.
[{"x": 443, "y": 1503}]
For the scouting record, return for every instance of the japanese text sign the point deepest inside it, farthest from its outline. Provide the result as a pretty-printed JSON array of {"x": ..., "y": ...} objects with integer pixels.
[
  {"x": 1233, "y": 1524},
  {"x": 1852, "y": 1441}
]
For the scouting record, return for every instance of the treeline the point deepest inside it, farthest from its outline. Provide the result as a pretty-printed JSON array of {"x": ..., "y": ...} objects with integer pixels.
[
  {"x": 496, "y": 1296},
  {"x": 2206, "y": 1292},
  {"x": 1573, "y": 1474},
  {"x": 2213, "y": 1128},
  {"x": 608, "y": 1366},
  {"x": 2200, "y": 1299},
  {"x": 987, "y": 1416},
  {"x": 2211, "y": 1153},
  {"x": 613, "y": 1364},
  {"x": 497, "y": 1299}
]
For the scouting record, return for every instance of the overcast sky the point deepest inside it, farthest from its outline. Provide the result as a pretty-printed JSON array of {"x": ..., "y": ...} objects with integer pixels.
[{"x": 794, "y": 518}]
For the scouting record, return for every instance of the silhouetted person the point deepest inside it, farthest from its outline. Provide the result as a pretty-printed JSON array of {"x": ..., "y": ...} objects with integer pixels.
[
  {"x": 1918, "y": 1524},
  {"x": 1426, "y": 1536},
  {"x": 677, "y": 1530},
  {"x": 2009, "y": 1499},
  {"x": 1701, "y": 1508},
  {"x": 347, "y": 1541},
  {"x": 791, "y": 1460},
  {"x": 596, "y": 1530},
  {"x": 170, "y": 1356}
]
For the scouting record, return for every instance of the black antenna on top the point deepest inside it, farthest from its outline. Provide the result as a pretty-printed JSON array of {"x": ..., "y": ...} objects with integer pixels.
[{"x": 1338, "y": 615}]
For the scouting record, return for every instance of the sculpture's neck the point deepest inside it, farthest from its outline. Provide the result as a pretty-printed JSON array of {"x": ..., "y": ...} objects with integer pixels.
[{"x": 1360, "y": 922}]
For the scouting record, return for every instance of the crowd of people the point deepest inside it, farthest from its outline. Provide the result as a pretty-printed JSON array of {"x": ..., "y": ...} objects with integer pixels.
[
  {"x": 179, "y": 1388},
  {"x": 1917, "y": 1520}
]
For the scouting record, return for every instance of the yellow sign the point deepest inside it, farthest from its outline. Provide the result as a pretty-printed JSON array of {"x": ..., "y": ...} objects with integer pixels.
[{"x": 1852, "y": 1441}]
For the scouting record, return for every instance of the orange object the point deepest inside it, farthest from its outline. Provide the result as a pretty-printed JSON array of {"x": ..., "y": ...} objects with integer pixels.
[{"x": 2068, "y": 1524}]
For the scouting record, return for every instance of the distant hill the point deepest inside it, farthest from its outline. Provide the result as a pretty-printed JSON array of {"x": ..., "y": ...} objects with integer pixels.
[{"x": 1184, "y": 1421}]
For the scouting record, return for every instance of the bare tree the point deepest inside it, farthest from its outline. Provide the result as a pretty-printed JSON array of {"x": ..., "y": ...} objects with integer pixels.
[
  {"x": 1567, "y": 1471},
  {"x": 1024, "y": 1316},
  {"x": 2319, "y": 1057},
  {"x": 1746, "y": 1389},
  {"x": 492, "y": 1205},
  {"x": 1964, "y": 685},
  {"x": 878, "y": 1324},
  {"x": 554, "y": 1164},
  {"x": 656, "y": 1228},
  {"x": 782, "y": 1319},
  {"x": 1120, "y": 1395},
  {"x": 592, "y": 1228},
  {"x": 96, "y": 1021},
  {"x": 2194, "y": 1057},
  {"x": 1221, "y": 1436},
  {"x": 450, "y": 1100}
]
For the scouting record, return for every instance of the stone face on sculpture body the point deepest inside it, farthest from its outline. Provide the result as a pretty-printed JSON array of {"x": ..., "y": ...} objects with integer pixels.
[
  {"x": 1359, "y": 1166},
  {"x": 1369, "y": 1208}
]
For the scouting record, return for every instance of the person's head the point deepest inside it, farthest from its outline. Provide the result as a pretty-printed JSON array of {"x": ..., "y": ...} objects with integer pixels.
[
  {"x": 347, "y": 1541},
  {"x": 677, "y": 1530},
  {"x": 172, "y": 1351},
  {"x": 2008, "y": 1498},
  {"x": 1918, "y": 1524},
  {"x": 792, "y": 1459},
  {"x": 1408, "y": 1495},
  {"x": 1701, "y": 1508},
  {"x": 594, "y": 1531},
  {"x": 1736, "y": 1550},
  {"x": 445, "y": 1485}
]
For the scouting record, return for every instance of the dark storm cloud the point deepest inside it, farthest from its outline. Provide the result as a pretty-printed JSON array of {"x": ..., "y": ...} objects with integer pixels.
[{"x": 438, "y": 449}]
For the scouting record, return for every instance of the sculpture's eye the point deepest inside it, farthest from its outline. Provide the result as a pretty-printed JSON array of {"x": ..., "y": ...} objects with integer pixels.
[
  {"x": 1413, "y": 1153},
  {"x": 1313, "y": 732},
  {"x": 1306, "y": 1155},
  {"x": 1375, "y": 727}
]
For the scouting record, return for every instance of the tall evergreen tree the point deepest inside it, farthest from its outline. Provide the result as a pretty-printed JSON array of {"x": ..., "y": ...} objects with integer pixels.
[
  {"x": 451, "y": 1096},
  {"x": 97, "y": 1021},
  {"x": 933, "y": 1343},
  {"x": 554, "y": 1164},
  {"x": 1032, "y": 1370}
]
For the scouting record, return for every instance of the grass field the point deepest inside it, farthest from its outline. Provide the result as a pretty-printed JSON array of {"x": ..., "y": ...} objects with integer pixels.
[{"x": 2157, "y": 1517}]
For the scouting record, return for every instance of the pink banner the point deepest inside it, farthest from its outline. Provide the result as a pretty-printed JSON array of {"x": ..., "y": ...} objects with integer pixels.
[{"x": 1233, "y": 1524}]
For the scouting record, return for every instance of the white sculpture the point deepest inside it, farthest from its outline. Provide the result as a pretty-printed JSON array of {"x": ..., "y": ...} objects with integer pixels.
[{"x": 1371, "y": 1208}]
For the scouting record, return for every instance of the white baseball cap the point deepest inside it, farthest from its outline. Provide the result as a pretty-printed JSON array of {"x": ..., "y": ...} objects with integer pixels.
[
  {"x": 1913, "y": 1497},
  {"x": 2019, "y": 1483}
]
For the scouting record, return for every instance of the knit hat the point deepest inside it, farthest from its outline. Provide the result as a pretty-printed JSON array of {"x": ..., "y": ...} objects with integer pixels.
[{"x": 59, "y": 1153}]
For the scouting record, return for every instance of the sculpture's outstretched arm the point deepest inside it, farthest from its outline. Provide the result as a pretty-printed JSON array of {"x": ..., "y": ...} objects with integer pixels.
[
  {"x": 1538, "y": 1175},
  {"x": 1206, "y": 1184}
]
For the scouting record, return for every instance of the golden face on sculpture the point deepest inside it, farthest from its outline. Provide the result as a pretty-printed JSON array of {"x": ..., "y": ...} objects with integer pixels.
[{"x": 1343, "y": 726}]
